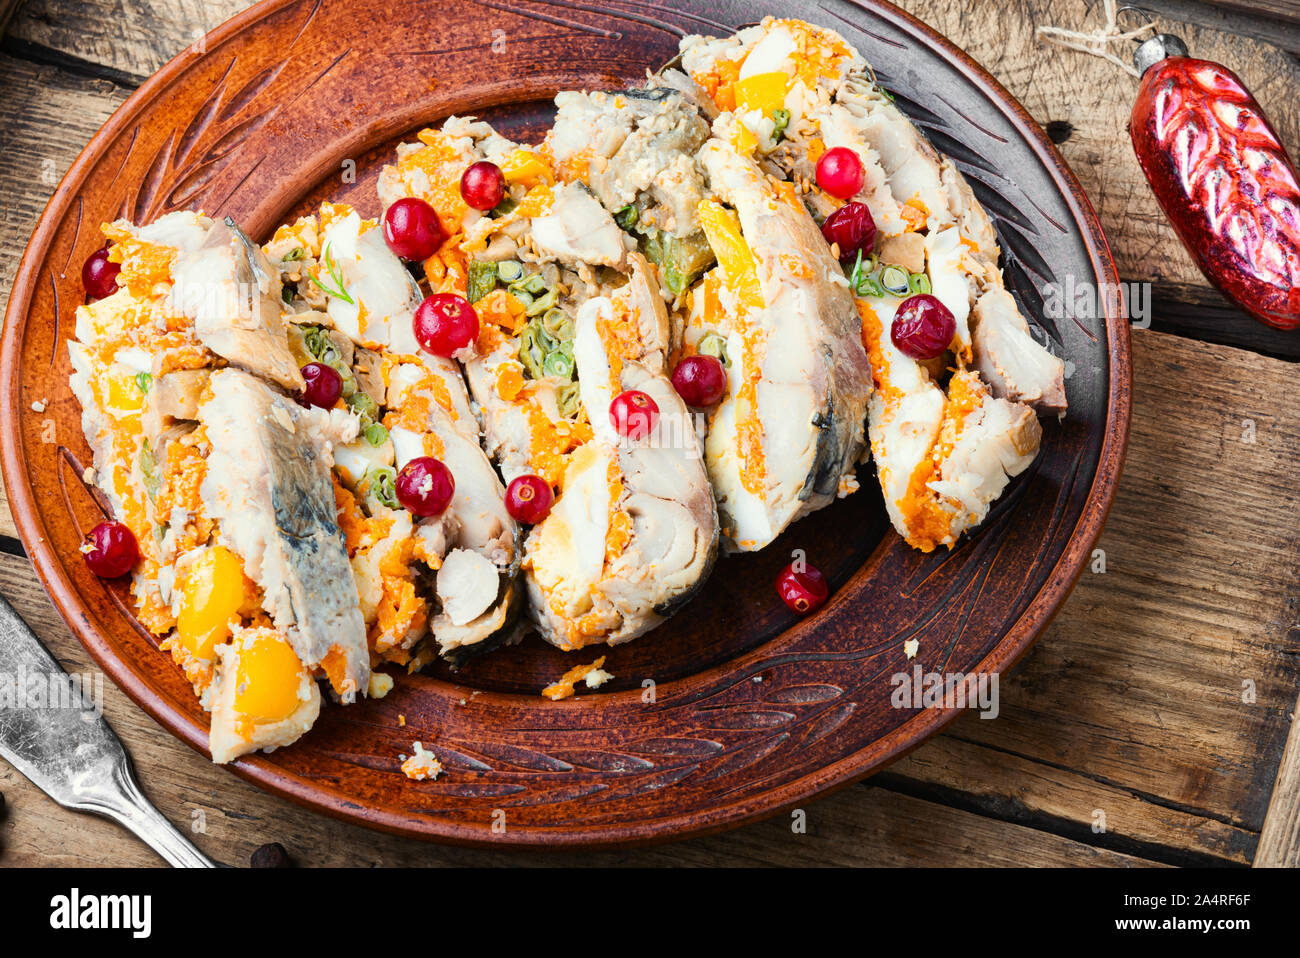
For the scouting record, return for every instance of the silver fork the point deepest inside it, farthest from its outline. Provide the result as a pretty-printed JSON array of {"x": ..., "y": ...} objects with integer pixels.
[{"x": 67, "y": 749}]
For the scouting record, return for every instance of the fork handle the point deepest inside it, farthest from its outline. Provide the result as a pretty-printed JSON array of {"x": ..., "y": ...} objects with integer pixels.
[{"x": 120, "y": 799}]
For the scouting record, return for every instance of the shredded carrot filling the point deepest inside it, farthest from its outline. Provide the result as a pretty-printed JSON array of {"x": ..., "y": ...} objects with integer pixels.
[
  {"x": 749, "y": 428},
  {"x": 350, "y": 519},
  {"x": 335, "y": 665},
  {"x": 562, "y": 688},
  {"x": 446, "y": 269},
  {"x": 502, "y": 309},
  {"x": 871, "y": 336},
  {"x": 510, "y": 382},
  {"x": 720, "y": 83},
  {"x": 622, "y": 341},
  {"x": 551, "y": 442},
  {"x": 929, "y": 518},
  {"x": 442, "y": 165},
  {"x": 618, "y": 533},
  {"x": 144, "y": 265}
]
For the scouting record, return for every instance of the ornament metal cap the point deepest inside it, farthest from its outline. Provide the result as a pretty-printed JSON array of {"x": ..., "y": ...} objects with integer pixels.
[{"x": 1157, "y": 48}]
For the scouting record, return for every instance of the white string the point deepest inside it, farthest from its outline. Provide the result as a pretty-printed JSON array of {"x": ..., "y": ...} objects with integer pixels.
[{"x": 1098, "y": 42}]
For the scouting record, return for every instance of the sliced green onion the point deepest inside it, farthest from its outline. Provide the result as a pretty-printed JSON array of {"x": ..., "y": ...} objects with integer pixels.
[
  {"x": 361, "y": 403},
  {"x": 556, "y": 322},
  {"x": 482, "y": 279},
  {"x": 534, "y": 284},
  {"x": 534, "y": 348},
  {"x": 143, "y": 381},
  {"x": 568, "y": 399},
  {"x": 712, "y": 344},
  {"x": 522, "y": 295},
  {"x": 780, "y": 120},
  {"x": 510, "y": 271},
  {"x": 543, "y": 303},
  {"x": 381, "y": 482},
  {"x": 627, "y": 217},
  {"x": 376, "y": 434},
  {"x": 286, "y": 293},
  {"x": 894, "y": 279},
  {"x": 868, "y": 285},
  {"x": 507, "y": 205},
  {"x": 919, "y": 283},
  {"x": 294, "y": 255},
  {"x": 147, "y": 465},
  {"x": 559, "y": 364}
]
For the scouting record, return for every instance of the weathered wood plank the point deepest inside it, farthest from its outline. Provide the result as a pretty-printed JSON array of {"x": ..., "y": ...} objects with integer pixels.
[
  {"x": 1279, "y": 842},
  {"x": 1172, "y": 674},
  {"x": 952, "y": 769},
  {"x": 1087, "y": 101},
  {"x": 229, "y": 818},
  {"x": 46, "y": 116},
  {"x": 131, "y": 39}
]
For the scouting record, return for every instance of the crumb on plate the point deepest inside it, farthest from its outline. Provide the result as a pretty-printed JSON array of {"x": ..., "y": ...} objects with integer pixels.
[
  {"x": 593, "y": 674},
  {"x": 422, "y": 765}
]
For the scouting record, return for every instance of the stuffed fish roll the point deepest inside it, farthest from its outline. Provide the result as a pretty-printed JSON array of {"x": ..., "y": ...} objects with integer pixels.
[
  {"x": 180, "y": 375},
  {"x": 570, "y": 318},
  {"x": 787, "y": 437},
  {"x": 948, "y": 426},
  {"x": 798, "y": 380},
  {"x": 449, "y": 577}
]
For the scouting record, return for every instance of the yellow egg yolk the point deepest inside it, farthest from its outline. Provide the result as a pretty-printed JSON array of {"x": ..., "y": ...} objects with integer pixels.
[
  {"x": 267, "y": 679},
  {"x": 212, "y": 595},
  {"x": 124, "y": 393},
  {"x": 722, "y": 228},
  {"x": 763, "y": 92}
]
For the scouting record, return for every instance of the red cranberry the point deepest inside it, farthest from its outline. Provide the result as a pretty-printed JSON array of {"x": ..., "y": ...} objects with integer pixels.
[
  {"x": 425, "y": 486},
  {"x": 700, "y": 380},
  {"x": 803, "y": 591},
  {"x": 633, "y": 414},
  {"x": 99, "y": 276},
  {"x": 840, "y": 173},
  {"x": 923, "y": 327},
  {"x": 852, "y": 227},
  {"x": 111, "y": 550},
  {"x": 324, "y": 385},
  {"x": 482, "y": 186},
  {"x": 529, "y": 499},
  {"x": 412, "y": 229},
  {"x": 445, "y": 323}
]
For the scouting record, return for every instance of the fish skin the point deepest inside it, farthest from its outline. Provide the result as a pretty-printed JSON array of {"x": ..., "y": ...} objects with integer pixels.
[
  {"x": 836, "y": 371},
  {"x": 230, "y": 291},
  {"x": 269, "y": 488}
]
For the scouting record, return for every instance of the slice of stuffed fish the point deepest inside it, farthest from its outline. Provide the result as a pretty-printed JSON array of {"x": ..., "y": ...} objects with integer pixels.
[
  {"x": 452, "y": 576},
  {"x": 143, "y": 374},
  {"x": 632, "y": 532},
  {"x": 948, "y": 433},
  {"x": 635, "y": 532},
  {"x": 786, "y": 439},
  {"x": 636, "y": 150},
  {"x": 268, "y": 487},
  {"x": 798, "y": 380},
  {"x": 230, "y": 291}
]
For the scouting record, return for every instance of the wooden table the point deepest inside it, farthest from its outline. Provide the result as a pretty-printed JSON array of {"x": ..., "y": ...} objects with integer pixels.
[{"x": 1153, "y": 722}]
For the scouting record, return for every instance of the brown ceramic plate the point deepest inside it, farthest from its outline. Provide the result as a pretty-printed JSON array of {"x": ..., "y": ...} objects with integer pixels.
[{"x": 733, "y": 709}]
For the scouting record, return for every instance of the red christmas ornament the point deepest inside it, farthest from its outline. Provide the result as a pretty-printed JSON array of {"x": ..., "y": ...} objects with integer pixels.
[{"x": 1222, "y": 177}]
